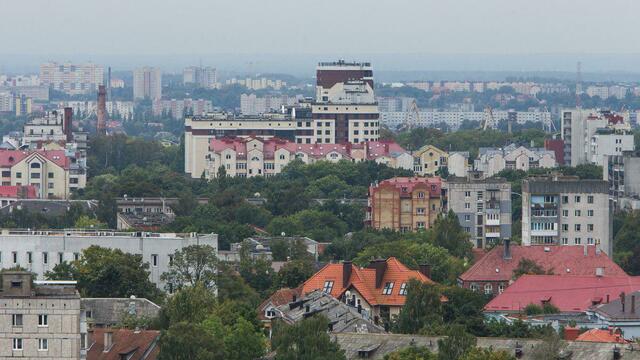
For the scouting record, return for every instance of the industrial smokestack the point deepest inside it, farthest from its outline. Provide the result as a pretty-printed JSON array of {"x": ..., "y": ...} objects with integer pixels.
[{"x": 101, "y": 111}]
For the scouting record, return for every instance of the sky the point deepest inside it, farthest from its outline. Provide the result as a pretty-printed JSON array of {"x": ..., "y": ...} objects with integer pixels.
[{"x": 401, "y": 29}]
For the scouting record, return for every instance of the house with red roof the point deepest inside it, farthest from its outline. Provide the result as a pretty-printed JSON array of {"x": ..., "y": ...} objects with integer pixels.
[
  {"x": 404, "y": 203},
  {"x": 254, "y": 156},
  {"x": 118, "y": 344},
  {"x": 610, "y": 335},
  {"x": 493, "y": 273},
  {"x": 570, "y": 294},
  {"x": 379, "y": 290},
  {"x": 10, "y": 194}
]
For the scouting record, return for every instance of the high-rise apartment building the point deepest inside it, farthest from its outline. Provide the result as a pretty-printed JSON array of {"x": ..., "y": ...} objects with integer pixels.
[
  {"x": 623, "y": 174},
  {"x": 404, "y": 204},
  {"x": 204, "y": 77},
  {"x": 345, "y": 109},
  {"x": 566, "y": 211},
  {"x": 72, "y": 79},
  {"x": 483, "y": 207},
  {"x": 147, "y": 83}
]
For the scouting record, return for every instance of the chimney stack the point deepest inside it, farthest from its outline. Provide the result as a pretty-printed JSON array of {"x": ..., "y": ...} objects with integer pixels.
[
  {"x": 346, "y": 273},
  {"x": 425, "y": 269},
  {"x": 633, "y": 304},
  {"x": 101, "y": 127},
  {"x": 507, "y": 249},
  {"x": 380, "y": 266},
  {"x": 622, "y": 300}
]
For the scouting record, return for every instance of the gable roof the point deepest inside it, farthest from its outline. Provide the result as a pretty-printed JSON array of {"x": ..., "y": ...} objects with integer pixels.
[
  {"x": 364, "y": 281},
  {"x": 15, "y": 191},
  {"x": 142, "y": 345},
  {"x": 280, "y": 297},
  {"x": 567, "y": 293},
  {"x": 613, "y": 309},
  {"x": 603, "y": 336},
  {"x": 563, "y": 260}
]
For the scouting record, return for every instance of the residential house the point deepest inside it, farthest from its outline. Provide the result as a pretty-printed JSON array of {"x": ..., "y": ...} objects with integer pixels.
[
  {"x": 620, "y": 312},
  {"x": 119, "y": 344},
  {"x": 429, "y": 161},
  {"x": 491, "y": 161}
]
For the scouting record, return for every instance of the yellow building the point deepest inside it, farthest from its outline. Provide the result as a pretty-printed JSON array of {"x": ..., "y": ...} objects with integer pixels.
[{"x": 428, "y": 160}]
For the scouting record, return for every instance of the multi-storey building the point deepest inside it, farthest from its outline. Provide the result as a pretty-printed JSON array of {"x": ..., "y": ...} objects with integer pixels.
[
  {"x": 40, "y": 251},
  {"x": 115, "y": 109},
  {"x": 492, "y": 161},
  {"x": 40, "y": 319},
  {"x": 204, "y": 77},
  {"x": 429, "y": 160},
  {"x": 566, "y": 211},
  {"x": 254, "y": 105},
  {"x": 623, "y": 174},
  {"x": 72, "y": 79},
  {"x": 453, "y": 119},
  {"x": 404, "y": 204},
  {"x": 483, "y": 207},
  {"x": 257, "y": 84},
  {"x": 6, "y": 101},
  {"x": 579, "y": 126},
  {"x": 178, "y": 108},
  {"x": 147, "y": 83},
  {"x": 345, "y": 109},
  {"x": 53, "y": 126},
  {"x": 256, "y": 157}
]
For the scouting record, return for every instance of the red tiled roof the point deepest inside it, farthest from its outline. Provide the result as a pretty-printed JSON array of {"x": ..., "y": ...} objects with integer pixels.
[
  {"x": 280, "y": 297},
  {"x": 431, "y": 184},
  {"x": 8, "y": 158},
  {"x": 364, "y": 281},
  {"x": 567, "y": 293},
  {"x": 23, "y": 192},
  {"x": 603, "y": 336},
  {"x": 564, "y": 260},
  {"x": 124, "y": 342}
]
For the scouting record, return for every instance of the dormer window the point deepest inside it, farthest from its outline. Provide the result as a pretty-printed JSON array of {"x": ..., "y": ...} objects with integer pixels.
[
  {"x": 328, "y": 286},
  {"x": 421, "y": 195},
  {"x": 388, "y": 288}
]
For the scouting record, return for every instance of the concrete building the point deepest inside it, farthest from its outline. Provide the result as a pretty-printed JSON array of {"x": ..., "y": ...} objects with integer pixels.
[
  {"x": 453, "y": 119},
  {"x": 566, "y": 211},
  {"x": 345, "y": 109},
  {"x": 6, "y": 101},
  {"x": 579, "y": 126},
  {"x": 458, "y": 163},
  {"x": 404, "y": 204},
  {"x": 256, "y": 157},
  {"x": 147, "y": 83},
  {"x": 40, "y": 319},
  {"x": 53, "y": 126},
  {"x": 115, "y": 109},
  {"x": 254, "y": 105},
  {"x": 72, "y": 79},
  {"x": 39, "y": 251},
  {"x": 610, "y": 142},
  {"x": 178, "y": 108},
  {"x": 622, "y": 172},
  {"x": 483, "y": 207},
  {"x": 491, "y": 161},
  {"x": 429, "y": 160},
  {"x": 203, "y": 77}
]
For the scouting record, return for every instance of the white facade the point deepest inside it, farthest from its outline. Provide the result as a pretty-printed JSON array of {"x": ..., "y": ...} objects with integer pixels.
[
  {"x": 493, "y": 161},
  {"x": 115, "y": 109},
  {"x": 72, "y": 79},
  {"x": 453, "y": 119},
  {"x": 204, "y": 77},
  {"x": 147, "y": 83},
  {"x": 254, "y": 105},
  {"x": 6, "y": 101}
]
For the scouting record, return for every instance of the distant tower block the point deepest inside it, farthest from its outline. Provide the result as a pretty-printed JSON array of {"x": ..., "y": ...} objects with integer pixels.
[{"x": 101, "y": 127}]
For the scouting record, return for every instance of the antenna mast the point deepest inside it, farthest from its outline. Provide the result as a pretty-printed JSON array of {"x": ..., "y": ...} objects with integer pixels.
[{"x": 578, "y": 84}]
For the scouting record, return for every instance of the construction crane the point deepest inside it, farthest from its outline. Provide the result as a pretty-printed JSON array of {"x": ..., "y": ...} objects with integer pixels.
[
  {"x": 552, "y": 125},
  {"x": 488, "y": 120}
]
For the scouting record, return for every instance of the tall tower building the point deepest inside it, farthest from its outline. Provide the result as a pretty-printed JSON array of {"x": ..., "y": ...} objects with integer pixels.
[{"x": 147, "y": 83}]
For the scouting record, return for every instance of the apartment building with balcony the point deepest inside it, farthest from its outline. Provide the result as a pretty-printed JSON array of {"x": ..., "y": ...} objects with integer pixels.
[
  {"x": 483, "y": 207},
  {"x": 623, "y": 174},
  {"x": 404, "y": 203},
  {"x": 566, "y": 211}
]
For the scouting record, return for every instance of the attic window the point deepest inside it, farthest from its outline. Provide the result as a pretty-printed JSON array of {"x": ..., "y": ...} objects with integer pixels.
[
  {"x": 403, "y": 289},
  {"x": 328, "y": 286},
  {"x": 388, "y": 288}
]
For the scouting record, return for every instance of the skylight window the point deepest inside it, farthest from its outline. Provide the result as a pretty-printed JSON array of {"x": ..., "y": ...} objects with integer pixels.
[
  {"x": 388, "y": 288},
  {"x": 328, "y": 286},
  {"x": 403, "y": 289}
]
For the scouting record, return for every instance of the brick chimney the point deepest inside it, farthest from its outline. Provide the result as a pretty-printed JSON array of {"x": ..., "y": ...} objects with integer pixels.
[
  {"x": 507, "y": 250},
  {"x": 380, "y": 265},
  {"x": 425, "y": 269},
  {"x": 67, "y": 122},
  {"x": 346, "y": 273},
  {"x": 571, "y": 333},
  {"x": 633, "y": 304},
  {"x": 622, "y": 300}
]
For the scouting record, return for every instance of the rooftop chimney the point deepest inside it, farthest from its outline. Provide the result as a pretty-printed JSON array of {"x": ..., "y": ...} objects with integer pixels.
[
  {"x": 507, "y": 249},
  {"x": 380, "y": 266},
  {"x": 108, "y": 340},
  {"x": 633, "y": 304},
  {"x": 622, "y": 300},
  {"x": 346, "y": 273},
  {"x": 425, "y": 269}
]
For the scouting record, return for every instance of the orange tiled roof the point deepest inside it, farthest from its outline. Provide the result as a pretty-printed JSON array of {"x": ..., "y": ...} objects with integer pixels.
[
  {"x": 125, "y": 342},
  {"x": 364, "y": 281},
  {"x": 603, "y": 336},
  {"x": 280, "y": 297}
]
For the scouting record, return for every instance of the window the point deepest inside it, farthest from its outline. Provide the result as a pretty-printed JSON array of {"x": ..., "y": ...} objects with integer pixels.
[
  {"x": 328, "y": 286},
  {"x": 76, "y": 256},
  {"x": 565, "y": 227},
  {"x": 35, "y": 165},
  {"x": 45, "y": 258},
  {"x": 170, "y": 259},
  {"x": 403, "y": 289},
  {"x": 43, "y": 344},
  {"x": 589, "y": 227},
  {"x": 577, "y": 213},
  {"x": 388, "y": 288},
  {"x": 590, "y": 241},
  {"x": 29, "y": 257},
  {"x": 467, "y": 194},
  {"x": 488, "y": 289},
  {"x": 590, "y": 199},
  {"x": 565, "y": 241},
  {"x": 50, "y": 185},
  {"x": 420, "y": 224},
  {"x": 154, "y": 260},
  {"x": 589, "y": 212},
  {"x": 16, "y": 320},
  {"x": 565, "y": 213},
  {"x": 474, "y": 287},
  {"x": 35, "y": 175},
  {"x": 420, "y": 211},
  {"x": 467, "y": 205},
  {"x": 14, "y": 255},
  {"x": 565, "y": 199},
  {"x": 43, "y": 320},
  {"x": 467, "y": 218},
  {"x": 576, "y": 198},
  {"x": 421, "y": 195},
  {"x": 577, "y": 227},
  {"x": 480, "y": 195},
  {"x": 17, "y": 344},
  {"x": 50, "y": 175},
  {"x": 19, "y": 175},
  {"x": 577, "y": 241}
]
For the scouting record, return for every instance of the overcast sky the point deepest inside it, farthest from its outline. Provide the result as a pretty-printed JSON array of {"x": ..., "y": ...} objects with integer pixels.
[{"x": 182, "y": 27}]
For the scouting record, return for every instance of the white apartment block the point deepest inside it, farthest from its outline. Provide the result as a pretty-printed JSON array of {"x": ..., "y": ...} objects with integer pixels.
[
  {"x": 566, "y": 211},
  {"x": 40, "y": 251},
  {"x": 147, "y": 83},
  {"x": 250, "y": 104},
  {"x": 491, "y": 161},
  {"x": 453, "y": 119},
  {"x": 178, "y": 108},
  {"x": 203, "y": 77},
  {"x": 257, "y": 84},
  {"x": 609, "y": 142},
  {"x": 116, "y": 109},
  {"x": 605, "y": 92},
  {"x": 6, "y": 102},
  {"x": 72, "y": 79}
]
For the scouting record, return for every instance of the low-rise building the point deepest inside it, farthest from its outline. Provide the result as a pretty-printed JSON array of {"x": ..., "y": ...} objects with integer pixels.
[
  {"x": 377, "y": 291},
  {"x": 495, "y": 271},
  {"x": 404, "y": 204},
  {"x": 147, "y": 214},
  {"x": 563, "y": 210},
  {"x": 40, "y": 319},
  {"x": 458, "y": 163},
  {"x": 110, "y": 312},
  {"x": 429, "y": 161},
  {"x": 40, "y": 251},
  {"x": 10, "y": 194},
  {"x": 483, "y": 207},
  {"x": 620, "y": 312},
  {"x": 512, "y": 157},
  {"x": 118, "y": 344}
]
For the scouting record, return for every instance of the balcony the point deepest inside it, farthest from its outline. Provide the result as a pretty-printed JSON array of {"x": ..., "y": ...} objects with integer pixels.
[
  {"x": 492, "y": 234},
  {"x": 493, "y": 222},
  {"x": 544, "y": 232}
]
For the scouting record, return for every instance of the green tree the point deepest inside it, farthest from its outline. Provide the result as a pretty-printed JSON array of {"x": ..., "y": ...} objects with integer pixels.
[
  {"x": 305, "y": 340},
  {"x": 411, "y": 353},
  {"x": 529, "y": 267},
  {"x": 190, "y": 341},
  {"x": 195, "y": 264},
  {"x": 456, "y": 344},
  {"x": 191, "y": 304},
  {"x": 449, "y": 234},
  {"x": 85, "y": 222},
  {"x": 549, "y": 348},
  {"x": 422, "y": 309},
  {"x": 294, "y": 273}
]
